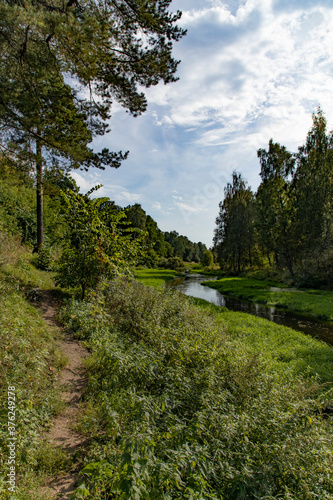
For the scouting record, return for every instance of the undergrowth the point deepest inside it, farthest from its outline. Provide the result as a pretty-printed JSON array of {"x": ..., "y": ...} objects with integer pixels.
[{"x": 179, "y": 409}]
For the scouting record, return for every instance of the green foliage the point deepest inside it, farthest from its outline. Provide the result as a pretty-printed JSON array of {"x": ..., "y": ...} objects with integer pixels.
[
  {"x": 18, "y": 209},
  {"x": 183, "y": 248},
  {"x": 155, "y": 277},
  {"x": 289, "y": 223},
  {"x": 276, "y": 205},
  {"x": 174, "y": 263},
  {"x": 314, "y": 210},
  {"x": 44, "y": 259},
  {"x": 208, "y": 259},
  {"x": 161, "y": 247},
  {"x": 45, "y": 39},
  {"x": 43, "y": 118},
  {"x": 190, "y": 411},
  {"x": 234, "y": 234},
  {"x": 94, "y": 246}
]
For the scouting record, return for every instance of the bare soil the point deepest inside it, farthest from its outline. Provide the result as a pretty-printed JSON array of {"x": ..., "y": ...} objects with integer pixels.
[{"x": 73, "y": 380}]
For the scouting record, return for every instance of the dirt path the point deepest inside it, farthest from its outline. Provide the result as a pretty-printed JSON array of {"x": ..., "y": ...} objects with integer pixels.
[{"x": 73, "y": 380}]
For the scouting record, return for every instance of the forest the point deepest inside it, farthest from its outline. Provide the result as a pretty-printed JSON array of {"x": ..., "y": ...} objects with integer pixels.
[
  {"x": 151, "y": 394},
  {"x": 287, "y": 224}
]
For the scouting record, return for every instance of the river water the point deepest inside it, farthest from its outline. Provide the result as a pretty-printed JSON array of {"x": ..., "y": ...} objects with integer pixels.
[{"x": 191, "y": 285}]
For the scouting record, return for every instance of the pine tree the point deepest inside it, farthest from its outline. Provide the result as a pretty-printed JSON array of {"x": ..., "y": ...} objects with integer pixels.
[{"x": 55, "y": 53}]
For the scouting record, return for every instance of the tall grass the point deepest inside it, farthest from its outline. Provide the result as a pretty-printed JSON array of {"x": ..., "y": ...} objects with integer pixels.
[
  {"x": 187, "y": 411},
  {"x": 29, "y": 361}
]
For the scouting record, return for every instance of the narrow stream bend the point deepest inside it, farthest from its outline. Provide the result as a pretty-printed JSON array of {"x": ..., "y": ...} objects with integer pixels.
[{"x": 191, "y": 285}]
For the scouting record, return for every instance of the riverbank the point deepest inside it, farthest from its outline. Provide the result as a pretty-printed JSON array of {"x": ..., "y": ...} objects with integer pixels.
[
  {"x": 315, "y": 303},
  {"x": 184, "y": 400},
  {"x": 281, "y": 346},
  {"x": 187, "y": 400}
]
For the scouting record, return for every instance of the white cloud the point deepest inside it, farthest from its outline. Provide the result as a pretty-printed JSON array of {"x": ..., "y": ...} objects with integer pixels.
[
  {"x": 189, "y": 208},
  {"x": 274, "y": 62},
  {"x": 83, "y": 182},
  {"x": 123, "y": 196},
  {"x": 251, "y": 70}
]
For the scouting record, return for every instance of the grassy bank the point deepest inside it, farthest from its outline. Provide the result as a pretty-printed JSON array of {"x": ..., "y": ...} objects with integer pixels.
[
  {"x": 155, "y": 277},
  {"x": 317, "y": 303},
  {"x": 282, "y": 347},
  {"x": 29, "y": 362},
  {"x": 189, "y": 403}
]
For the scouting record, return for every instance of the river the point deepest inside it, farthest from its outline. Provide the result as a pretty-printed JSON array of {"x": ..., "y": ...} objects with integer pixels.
[{"x": 191, "y": 285}]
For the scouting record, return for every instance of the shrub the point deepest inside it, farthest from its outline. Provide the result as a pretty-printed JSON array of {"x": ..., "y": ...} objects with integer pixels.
[
  {"x": 174, "y": 263},
  {"x": 208, "y": 259},
  {"x": 44, "y": 259}
]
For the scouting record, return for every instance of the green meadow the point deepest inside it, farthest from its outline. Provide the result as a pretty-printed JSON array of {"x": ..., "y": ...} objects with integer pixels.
[
  {"x": 185, "y": 400},
  {"x": 155, "y": 277}
]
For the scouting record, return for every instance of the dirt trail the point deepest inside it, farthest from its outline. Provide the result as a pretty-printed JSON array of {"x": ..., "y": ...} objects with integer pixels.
[{"x": 73, "y": 380}]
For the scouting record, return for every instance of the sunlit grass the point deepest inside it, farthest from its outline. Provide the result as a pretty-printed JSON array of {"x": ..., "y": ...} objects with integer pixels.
[
  {"x": 317, "y": 303},
  {"x": 154, "y": 277}
]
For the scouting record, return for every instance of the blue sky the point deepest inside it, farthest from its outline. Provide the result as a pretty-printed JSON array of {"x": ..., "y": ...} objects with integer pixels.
[{"x": 251, "y": 70}]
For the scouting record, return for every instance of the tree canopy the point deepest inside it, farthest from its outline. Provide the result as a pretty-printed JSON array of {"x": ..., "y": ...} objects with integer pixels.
[
  {"x": 64, "y": 63},
  {"x": 233, "y": 238},
  {"x": 290, "y": 218}
]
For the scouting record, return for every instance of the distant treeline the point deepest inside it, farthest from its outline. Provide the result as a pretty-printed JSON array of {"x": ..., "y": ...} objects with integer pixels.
[
  {"x": 162, "y": 245},
  {"x": 18, "y": 216},
  {"x": 288, "y": 223}
]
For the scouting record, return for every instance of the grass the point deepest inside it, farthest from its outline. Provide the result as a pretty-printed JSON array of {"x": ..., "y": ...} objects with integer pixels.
[
  {"x": 185, "y": 400},
  {"x": 29, "y": 361},
  {"x": 200, "y": 269},
  {"x": 193, "y": 403},
  {"x": 316, "y": 303},
  {"x": 155, "y": 277},
  {"x": 283, "y": 348}
]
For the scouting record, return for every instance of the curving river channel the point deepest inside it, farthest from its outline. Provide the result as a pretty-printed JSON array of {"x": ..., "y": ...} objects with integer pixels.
[{"x": 191, "y": 285}]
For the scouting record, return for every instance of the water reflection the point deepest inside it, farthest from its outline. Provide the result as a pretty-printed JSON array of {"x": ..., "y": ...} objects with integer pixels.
[{"x": 191, "y": 285}]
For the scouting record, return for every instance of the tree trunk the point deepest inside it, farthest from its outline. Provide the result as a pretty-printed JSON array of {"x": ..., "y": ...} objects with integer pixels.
[
  {"x": 39, "y": 170},
  {"x": 83, "y": 290},
  {"x": 269, "y": 260}
]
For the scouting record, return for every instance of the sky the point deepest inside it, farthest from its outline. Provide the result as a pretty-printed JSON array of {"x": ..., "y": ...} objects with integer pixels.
[{"x": 250, "y": 71}]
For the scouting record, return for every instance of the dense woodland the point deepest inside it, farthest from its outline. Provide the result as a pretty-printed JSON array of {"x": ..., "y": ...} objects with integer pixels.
[
  {"x": 288, "y": 223},
  {"x": 86, "y": 237}
]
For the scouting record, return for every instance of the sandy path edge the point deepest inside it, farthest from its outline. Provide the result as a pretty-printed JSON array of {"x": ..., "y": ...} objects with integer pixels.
[{"x": 73, "y": 380}]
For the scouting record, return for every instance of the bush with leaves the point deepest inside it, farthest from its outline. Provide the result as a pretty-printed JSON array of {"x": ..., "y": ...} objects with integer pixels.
[
  {"x": 208, "y": 259},
  {"x": 94, "y": 245},
  {"x": 174, "y": 263}
]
